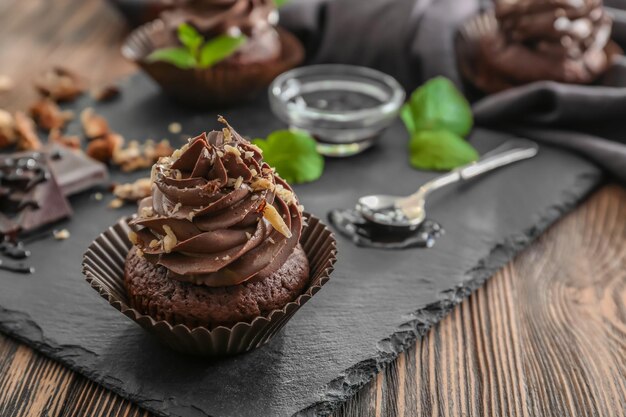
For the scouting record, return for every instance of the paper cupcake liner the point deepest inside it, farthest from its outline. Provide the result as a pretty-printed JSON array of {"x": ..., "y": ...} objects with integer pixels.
[
  {"x": 222, "y": 84},
  {"x": 103, "y": 267},
  {"x": 477, "y": 77}
]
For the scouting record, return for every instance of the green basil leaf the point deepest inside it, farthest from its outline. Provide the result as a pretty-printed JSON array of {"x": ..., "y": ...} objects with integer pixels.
[
  {"x": 280, "y": 3},
  {"x": 440, "y": 150},
  {"x": 293, "y": 154},
  {"x": 179, "y": 56},
  {"x": 219, "y": 48},
  {"x": 437, "y": 105},
  {"x": 189, "y": 36}
]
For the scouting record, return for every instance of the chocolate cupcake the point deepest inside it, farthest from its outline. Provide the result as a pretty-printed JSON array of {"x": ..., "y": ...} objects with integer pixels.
[
  {"x": 523, "y": 41},
  {"x": 256, "y": 19},
  {"x": 219, "y": 257},
  {"x": 217, "y": 242},
  {"x": 266, "y": 53}
]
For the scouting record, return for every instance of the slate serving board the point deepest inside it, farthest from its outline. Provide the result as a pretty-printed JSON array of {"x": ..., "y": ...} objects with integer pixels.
[{"x": 375, "y": 305}]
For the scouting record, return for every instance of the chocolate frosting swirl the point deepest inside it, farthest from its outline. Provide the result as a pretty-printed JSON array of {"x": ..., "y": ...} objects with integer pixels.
[
  {"x": 559, "y": 40},
  {"x": 218, "y": 214},
  {"x": 215, "y": 17}
]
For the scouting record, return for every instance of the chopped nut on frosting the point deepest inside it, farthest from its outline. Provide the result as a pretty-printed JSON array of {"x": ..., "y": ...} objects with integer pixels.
[
  {"x": 271, "y": 215},
  {"x": 176, "y": 208},
  {"x": 233, "y": 150},
  {"x": 228, "y": 137},
  {"x": 261, "y": 184},
  {"x": 169, "y": 240},
  {"x": 147, "y": 212},
  {"x": 132, "y": 236}
]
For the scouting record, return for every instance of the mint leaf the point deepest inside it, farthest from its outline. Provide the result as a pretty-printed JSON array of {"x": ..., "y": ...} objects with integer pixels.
[
  {"x": 293, "y": 154},
  {"x": 437, "y": 105},
  {"x": 219, "y": 48},
  {"x": 179, "y": 56},
  {"x": 439, "y": 150},
  {"x": 280, "y": 3},
  {"x": 189, "y": 36}
]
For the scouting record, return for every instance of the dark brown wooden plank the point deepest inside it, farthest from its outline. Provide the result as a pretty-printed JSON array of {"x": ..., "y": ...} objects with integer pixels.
[{"x": 545, "y": 336}]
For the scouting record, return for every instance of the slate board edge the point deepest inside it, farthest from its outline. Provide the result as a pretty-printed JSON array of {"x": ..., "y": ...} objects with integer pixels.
[
  {"x": 353, "y": 379},
  {"x": 21, "y": 327}
]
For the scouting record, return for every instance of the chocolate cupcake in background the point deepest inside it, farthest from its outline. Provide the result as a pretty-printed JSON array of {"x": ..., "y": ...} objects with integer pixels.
[
  {"x": 138, "y": 12},
  {"x": 256, "y": 19},
  {"x": 523, "y": 41},
  {"x": 219, "y": 257},
  {"x": 267, "y": 51}
]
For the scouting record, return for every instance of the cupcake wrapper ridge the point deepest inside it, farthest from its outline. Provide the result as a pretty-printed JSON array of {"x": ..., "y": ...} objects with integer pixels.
[{"x": 103, "y": 267}]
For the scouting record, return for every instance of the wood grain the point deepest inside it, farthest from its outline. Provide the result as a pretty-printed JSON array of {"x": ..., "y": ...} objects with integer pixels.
[{"x": 545, "y": 336}]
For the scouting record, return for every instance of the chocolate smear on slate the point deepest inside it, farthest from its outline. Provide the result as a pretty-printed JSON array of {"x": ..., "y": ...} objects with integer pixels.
[{"x": 362, "y": 232}]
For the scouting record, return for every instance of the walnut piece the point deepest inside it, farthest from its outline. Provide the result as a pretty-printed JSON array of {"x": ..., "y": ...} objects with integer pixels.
[
  {"x": 133, "y": 191},
  {"x": 175, "y": 128},
  {"x": 116, "y": 203},
  {"x": 72, "y": 142},
  {"x": 48, "y": 115},
  {"x": 261, "y": 183},
  {"x": 105, "y": 93},
  {"x": 136, "y": 156},
  {"x": 61, "y": 234},
  {"x": 27, "y": 139},
  {"x": 7, "y": 129},
  {"x": 59, "y": 84},
  {"x": 94, "y": 126},
  {"x": 103, "y": 149}
]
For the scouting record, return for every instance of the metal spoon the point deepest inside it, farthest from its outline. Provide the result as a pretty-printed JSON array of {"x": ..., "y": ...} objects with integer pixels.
[{"x": 408, "y": 212}]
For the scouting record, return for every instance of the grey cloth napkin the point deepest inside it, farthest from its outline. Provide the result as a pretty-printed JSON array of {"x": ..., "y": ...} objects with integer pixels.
[{"x": 413, "y": 40}]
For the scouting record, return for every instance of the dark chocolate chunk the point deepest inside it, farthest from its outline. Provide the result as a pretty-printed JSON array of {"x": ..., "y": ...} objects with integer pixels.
[{"x": 75, "y": 172}]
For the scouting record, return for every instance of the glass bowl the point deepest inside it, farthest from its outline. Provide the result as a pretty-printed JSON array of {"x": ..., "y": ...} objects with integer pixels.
[{"x": 344, "y": 107}]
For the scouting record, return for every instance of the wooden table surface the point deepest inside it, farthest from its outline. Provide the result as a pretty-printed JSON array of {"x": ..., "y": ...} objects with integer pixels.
[{"x": 546, "y": 336}]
